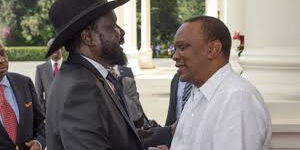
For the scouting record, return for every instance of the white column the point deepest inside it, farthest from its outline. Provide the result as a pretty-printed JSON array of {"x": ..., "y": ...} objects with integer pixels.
[
  {"x": 211, "y": 8},
  {"x": 120, "y": 17},
  {"x": 130, "y": 27},
  {"x": 145, "y": 53},
  {"x": 234, "y": 18},
  {"x": 271, "y": 61}
]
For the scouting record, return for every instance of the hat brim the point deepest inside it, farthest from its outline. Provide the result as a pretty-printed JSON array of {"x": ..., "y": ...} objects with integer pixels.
[{"x": 80, "y": 22}]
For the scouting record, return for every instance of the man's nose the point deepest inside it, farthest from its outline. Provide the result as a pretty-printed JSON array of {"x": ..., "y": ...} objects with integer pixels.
[
  {"x": 175, "y": 55},
  {"x": 121, "y": 31}
]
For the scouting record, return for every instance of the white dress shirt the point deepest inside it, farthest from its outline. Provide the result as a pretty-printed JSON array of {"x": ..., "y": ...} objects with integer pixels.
[
  {"x": 59, "y": 62},
  {"x": 226, "y": 113}
]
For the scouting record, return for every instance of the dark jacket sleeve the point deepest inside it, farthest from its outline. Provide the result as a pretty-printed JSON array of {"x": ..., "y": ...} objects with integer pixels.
[
  {"x": 39, "y": 117},
  {"x": 154, "y": 137}
]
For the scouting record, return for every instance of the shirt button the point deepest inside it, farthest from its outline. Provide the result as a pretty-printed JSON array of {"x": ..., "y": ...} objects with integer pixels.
[
  {"x": 17, "y": 147},
  {"x": 192, "y": 114}
]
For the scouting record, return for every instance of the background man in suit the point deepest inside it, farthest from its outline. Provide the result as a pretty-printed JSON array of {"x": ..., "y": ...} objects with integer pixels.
[
  {"x": 86, "y": 107},
  {"x": 45, "y": 73},
  {"x": 22, "y": 121},
  {"x": 179, "y": 94},
  {"x": 126, "y": 78},
  {"x": 124, "y": 71}
]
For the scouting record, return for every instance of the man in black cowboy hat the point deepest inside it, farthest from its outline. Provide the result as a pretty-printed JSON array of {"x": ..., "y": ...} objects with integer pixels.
[{"x": 85, "y": 107}]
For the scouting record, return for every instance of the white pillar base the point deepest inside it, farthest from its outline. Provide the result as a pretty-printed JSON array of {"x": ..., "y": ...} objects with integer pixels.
[
  {"x": 145, "y": 59},
  {"x": 132, "y": 57}
]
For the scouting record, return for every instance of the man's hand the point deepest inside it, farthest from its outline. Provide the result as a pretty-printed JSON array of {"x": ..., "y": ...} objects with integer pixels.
[
  {"x": 33, "y": 145},
  {"x": 160, "y": 147},
  {"x": 163, "y": 147}
]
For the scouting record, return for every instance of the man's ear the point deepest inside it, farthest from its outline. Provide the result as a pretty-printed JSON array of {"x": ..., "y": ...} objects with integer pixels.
[
  {"x": 215, "y": 49},
  {"x": 87, "y": 37}
]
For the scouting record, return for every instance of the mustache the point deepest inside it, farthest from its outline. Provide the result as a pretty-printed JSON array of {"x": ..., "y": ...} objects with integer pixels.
[{"x": 122, "y": 41}]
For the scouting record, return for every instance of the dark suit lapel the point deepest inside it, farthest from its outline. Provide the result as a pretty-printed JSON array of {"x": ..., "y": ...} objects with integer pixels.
[
  {"x": 175, "y": 87},
  {"x": 77, "y": 59},
  {"x": 174, "y": 97},
  {"x": 21, "y": 100},
  {"x": 176, "y": 80}
]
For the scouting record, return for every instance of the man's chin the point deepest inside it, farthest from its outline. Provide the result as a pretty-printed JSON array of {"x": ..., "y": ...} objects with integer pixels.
[{"x": 182, "y": 77}]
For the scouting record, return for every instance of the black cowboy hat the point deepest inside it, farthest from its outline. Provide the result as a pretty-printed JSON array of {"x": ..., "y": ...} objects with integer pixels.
[{"x": 71, "y": 16}]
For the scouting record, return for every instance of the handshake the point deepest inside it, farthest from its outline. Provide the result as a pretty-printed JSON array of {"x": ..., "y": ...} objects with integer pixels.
[{"x": 161, "y": 147}]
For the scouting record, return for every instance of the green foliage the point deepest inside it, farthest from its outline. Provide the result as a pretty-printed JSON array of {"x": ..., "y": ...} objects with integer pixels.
[
  {"x": 27, "y": 20},
  {"x": 164, "y": 22},
  {"x": 29, "y": 23},
  {"x": 187, "y": 9},
  {"x": 36, "y": 28},
  {"x": 11, "y": 15},
  {"x": 34, "y": 53},
  {"x": 164, "y": 54},
  {"x": 26, "y": 53},
  {"x": 166, "y": 17}
]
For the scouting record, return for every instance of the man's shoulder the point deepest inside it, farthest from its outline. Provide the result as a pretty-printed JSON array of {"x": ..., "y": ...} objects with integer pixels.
[
  {"x": 75, "y": 74},
  {"x": 236, "y": 82},
  {"x": 17, "y": 75},
  {"x": 236, "y": 85},
  {"x": 43, "y": 65}
]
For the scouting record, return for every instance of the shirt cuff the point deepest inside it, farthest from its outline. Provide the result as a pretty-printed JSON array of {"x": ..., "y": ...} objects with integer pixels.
[{"x": 38, "y": 143}]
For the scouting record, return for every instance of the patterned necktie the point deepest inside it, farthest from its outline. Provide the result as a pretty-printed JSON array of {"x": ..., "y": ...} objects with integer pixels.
[
  {"x": 118, "y": 89},
  {"x": 8, "y": 116},
  {"x": 186, "y": 94},
  {"x": 55, "y": 70}
]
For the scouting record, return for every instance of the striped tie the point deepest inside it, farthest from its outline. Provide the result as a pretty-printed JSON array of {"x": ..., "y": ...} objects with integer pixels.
[{"x": 186, "y": 93}]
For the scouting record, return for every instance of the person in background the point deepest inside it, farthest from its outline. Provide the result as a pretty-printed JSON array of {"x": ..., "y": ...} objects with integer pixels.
[
  {"x": 45, "y": 74},
  {"x": 180, "y": 92},
  {"x": 125, "y": 77},
  {"x": 22, "y": 124}
]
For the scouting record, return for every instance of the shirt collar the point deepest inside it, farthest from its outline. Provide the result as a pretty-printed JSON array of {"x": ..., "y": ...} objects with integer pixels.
[
  {"x": 210, "y": 86},
  {"x": 102, "y": 70},
  {"x": 59, "y": 61},
  {"x": 5, "y": 82}
]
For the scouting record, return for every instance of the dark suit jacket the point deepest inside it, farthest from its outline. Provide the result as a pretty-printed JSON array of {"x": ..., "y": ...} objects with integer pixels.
[
  {"x": 162, "y": 135},
  {"x": 125, "y": 71},
  {"x": 43, "y": 79},
  {"x": 31, "y": 124},
  {"x": 84, "y": 114},
  {"x": 171, "y": 117}
]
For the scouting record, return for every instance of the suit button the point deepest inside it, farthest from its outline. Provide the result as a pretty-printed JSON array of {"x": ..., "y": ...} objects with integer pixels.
[{"x": 17, "y": 147}]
